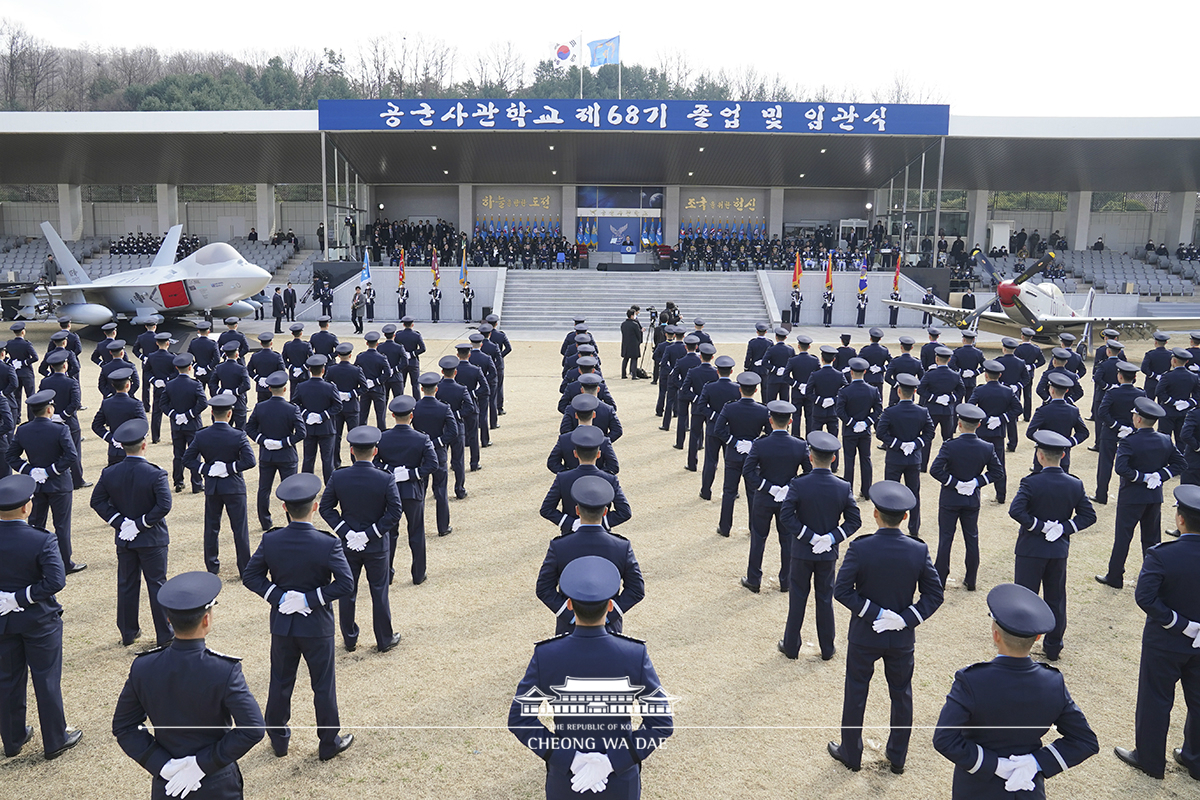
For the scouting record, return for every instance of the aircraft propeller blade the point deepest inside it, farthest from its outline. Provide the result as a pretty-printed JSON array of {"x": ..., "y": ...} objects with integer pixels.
[
  {"x": 988, "y": 267},
  {"x": 1037, "y": 267},
  {"x": 969, "y": 320}
]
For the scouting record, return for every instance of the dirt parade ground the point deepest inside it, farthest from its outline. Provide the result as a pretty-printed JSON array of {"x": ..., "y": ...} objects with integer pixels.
[{"x": 429, "y": 716}]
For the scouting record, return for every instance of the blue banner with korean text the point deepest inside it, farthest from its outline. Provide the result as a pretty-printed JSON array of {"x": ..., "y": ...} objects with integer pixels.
[{"x": 627, "y": 115}]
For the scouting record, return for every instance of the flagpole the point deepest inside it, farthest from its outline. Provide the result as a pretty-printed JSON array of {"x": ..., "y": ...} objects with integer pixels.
[
  {"x": 618, "y": 69},
  {"x": 580, "y": 68}
]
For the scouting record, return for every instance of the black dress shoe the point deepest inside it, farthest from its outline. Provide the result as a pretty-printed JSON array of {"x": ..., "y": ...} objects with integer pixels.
[
  {"x": 706, "y": 495},
  {"x": 72, "y": 739},
  {"x": 1130, "y": 758},
  {"x": 722, "y": 533},
  {"x": 677, "y": 446},
  {"x": 83, "y": 485},
  {"x": 475, "y": 468},
  {"x": 783, "y": 587},
  {"x": 970, "y": 587},
  {"x": 126, "y": 641},
  {"x": 390, "y": 644},
  {"x": 690, "y": 469},
  {"x": 897, "y": 769},
  {"x": 1177, "y": 754},
  {"x": 1104, "y": 579},
  {"x": 179, "y": 489},
  {"x": 1103, "y": 501},
  {"x": 829, "y": 655},
  {"x": 71, "y": 570},
  {"x": 351, "y": 646},
  {"x": 446, "y": 532},
  {"x": 1174, "y": 533},
  {"x": 1051, "y": 656},
  {"x": 663, "y": 428},
  {"x": 279, "y": 750},
  {"x": 835, "y": 752},
  {"x": 751, "y": 586},
  {"x": 1094, "y": 449},
  {"x": 779, "y": 647},
  {"x": 340, "y": 744},
  {"x": 486, "y": 444},
  {"x": 419, "y": 581},
  {"x": 461, "y": 495},
  {"x": 29, "y": 735}
]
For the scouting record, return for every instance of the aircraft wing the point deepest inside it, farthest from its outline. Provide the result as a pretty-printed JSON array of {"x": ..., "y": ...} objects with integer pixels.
[
  {"x": 949, "y": 314},
  {"x": 165, "y": 256}
]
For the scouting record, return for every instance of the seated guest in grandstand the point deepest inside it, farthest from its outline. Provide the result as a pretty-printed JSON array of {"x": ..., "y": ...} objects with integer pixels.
[{"x": 253, "y": 237}]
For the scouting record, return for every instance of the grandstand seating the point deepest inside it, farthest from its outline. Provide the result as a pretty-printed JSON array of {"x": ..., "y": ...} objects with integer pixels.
[
  {"x": 25, "y": 261},
  {"x": 1113, "y": 273}
]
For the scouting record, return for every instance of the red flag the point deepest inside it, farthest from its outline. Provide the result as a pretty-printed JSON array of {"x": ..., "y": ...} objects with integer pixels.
[
  {"x": 829, "y": 272},
  {"x": 401, "y": 266},
  {"x": 896, "y": 279},
  {"x": 433, "y": 267},
  {"x": 797, "y": 273}
]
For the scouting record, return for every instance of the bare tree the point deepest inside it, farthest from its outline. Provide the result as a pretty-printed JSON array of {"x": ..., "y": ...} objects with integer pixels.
[
  {"x": 43, "y": 64},
  {"x": 138, "y": 66},
  {"x": 375, "y": 67},
  {"x": 499, "y": 67},
  {"x": 902, "y": 89},
  {"x": 15, "y": 41}
]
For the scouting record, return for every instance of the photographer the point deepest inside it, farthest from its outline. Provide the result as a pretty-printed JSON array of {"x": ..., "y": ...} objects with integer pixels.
[{"x": 631, "y": 343}]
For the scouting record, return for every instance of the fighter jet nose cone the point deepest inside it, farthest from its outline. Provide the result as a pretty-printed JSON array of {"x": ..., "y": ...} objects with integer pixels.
[{"x": 1008, "y": 292}]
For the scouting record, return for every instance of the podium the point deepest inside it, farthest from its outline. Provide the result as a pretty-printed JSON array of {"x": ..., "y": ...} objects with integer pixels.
[{"x": 629, "y": 253}]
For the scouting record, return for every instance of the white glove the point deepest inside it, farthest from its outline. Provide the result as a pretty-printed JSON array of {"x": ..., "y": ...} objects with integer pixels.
[
  {"x": 17, "y": 364},
  {"x": 575, "y": 525},
  {"x": 1052, "y": 530},
  {"x": 356, "y": 541},
  {"x": 273, "y": 444},
  {"x": 9, "y": 604},
  {"x": 781, "y": 371},
  {"x": 889, "y": 620},
  {"x": 1004, "y": 768},
  {"x": 1181, "y": 405},
  {"x": 370, "y": 383},
  {"x": 1153, "y": 480},
  {"x": 262, "y": 383},
  {"x": 1192, "y": 631},
  {"x": 1020, "y": 779},
  {"x": 908, "y": 447},
  {"x": 186, "y": 779},
  {"x": 129, "y": 531},
  {"x": 966, "y": 488},
  {"x": 993, "y": 423},
  {"x": 942, "y": 399},
  {"x": 1015, "y": 389},
  {"x": 592, "y": 772},
  {"x": 227, "y": 391},
  {"x": 313, "y": 419},
  {"x": 860, "y": 426},
  {"x": 297, "y": 371},
  {"x": 38, "y": 474},
  {"x": 1124, "y": 431},
  {"x": 160, "y": 384},
  {"x": 181, "y": 419},
  {"x": 758, "y": 363},
  {"x": 743, "y": 446},
  {"x": 402, "y": 474},
  {"x": 55, "y": 418},
  {"x": 218, "y": 469},
  {"x": 828, "y": 402},
  {"x": 778, "y": 492},
  {"x": 822, "y": 543},
  {"x": 968, "y": 373},
  {"x": 344, "y": 396},
  {"x": 201, "y": 372},
  {"x": 294, "y": 603},
  {"x": 876, "y": 369}
]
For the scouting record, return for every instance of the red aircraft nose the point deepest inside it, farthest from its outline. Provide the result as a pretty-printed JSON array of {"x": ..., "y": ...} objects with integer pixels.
[{"x": 1008, "y": 292}]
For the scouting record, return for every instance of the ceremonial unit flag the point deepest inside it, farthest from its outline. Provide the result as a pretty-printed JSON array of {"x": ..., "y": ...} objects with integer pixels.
[
  {"x": 566, "y": 54},
  {"x": 401, "y": 283},
  {"x": 365, "y": 275},
  {"x": 896, "y": 278},
  {"x": 829, "y": 272},
  {"x": 862, "y": 278},
  {"x": 797, "y": 273},
  {"x": 433, "y": 267},
  {"x": 605, "y": 51}
]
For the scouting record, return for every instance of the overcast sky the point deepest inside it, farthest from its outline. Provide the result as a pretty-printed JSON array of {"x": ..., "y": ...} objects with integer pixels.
[{"x": 1018, "y": 58}]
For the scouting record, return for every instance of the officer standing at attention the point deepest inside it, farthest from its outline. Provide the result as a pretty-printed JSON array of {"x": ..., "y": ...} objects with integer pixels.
[
  {"x": 409, "y": 457},
  {"x": 300, "y": 570},
  {"x": 740, "y": 422},
  {"x": 100, "y": 353},
  {"x": 458, "y": 397},
  {"x": 967, "y": 361},
  {"x": 1059, "y": 416},
  {"x": 963, "y": 466},
  {"x": 435, "y": 304},
  {"x": 468, "y": 297},
  {"x": 997, "y": 711},
  {"x": 160, "y": 368},
  {"x": 756, "y": 351},
  {"x": 674, "y": 379},
  {"x": 1058, "y": 360},
  {"x": 362, "y": 505},
  {"x": 800, "y": 368},
  {"x": 323, "y": 341},
  {"x": 879, "y": 577},
  {"x": 295, "y": 353},
  {"x": 320, "y": 402},
  {"x": 1050, "y": 505},
  {"x": 184, "y": 401},
  {"x": 67, "y": 402},
  {"x": 999, "y": 405},
  {"x": 858, "y": 407},
  {"x": 504, "y": 347},
  {"x": 773, "y": 461},
  {"x": 194, "y": 746},
  {"x": 1145, "y": 460},
  {"x": 592, "y": 496},
  {"x": 277, "y": 426},
  {"x": 902, "y": 364},
  {"x": 823, "y": 387},
  {"x": 1167, "y": 592},
  {"x": 586, "y": 654},
  {"x": 42, "y": 449},
  {"x": 929, "y": 349},
  {"x": 1156, "y": 362},
  {"x": 351, "y": 383},
  {"x": 119, "y": 407},
  {"x": 1114, "y": 422},
  {"x": 397, "y": 358},
  {"x": 31, "y": 573},
  {"x": 1034, "y": 359},
  {"x": 22, "y": 357},
  {"x": 410, "y": 338},
  {"x": 222, "y": 454},
  {"x": 775, "y": 361},
  {"x": 820, "y": 512},
  {"x": 583, "y": 408},
  {"x": 230, "y": 378},
  {"x": 437, "y": 420},
  {"x": 877, "y": 358},
  {"x": 940, "y": 390},
  {"x": 133, "y": 497},
  {"x": 1015, "y": 375},
  {"x": 263, "y": 363},
  {"x": 905, "y": 429},
  {"x": 204, "y": 350},
  {"x": 232, "y": 334},
  {"x": 827, "y": 307},
  {"x": 377, "y": 371},
  {"x": 1176, "y": 393},
  {"x": 713, "y": 398},
  {"x": 557, "y": 506}
]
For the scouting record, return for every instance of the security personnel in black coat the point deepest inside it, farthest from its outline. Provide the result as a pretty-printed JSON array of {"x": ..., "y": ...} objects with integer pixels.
[
  {"x": 202, "y": 715},
  {"x": 184, "y": 401},
  {"x": 691, "y": 419},
  {"x": 362, "y": 505},
  {"x": 119, "y": 407},
  {"x": 999, "y": 405},
  {"x": 590, "y": 652},
  {"x": 204, "y": 349},
  {"x": 1059, "y": 416},
  {"x": 323, "y": 341},
  {"x": 967, "y": 361},
  {"x": 22, "y": 357},
  {"x": 775, "y": 384},
  {"x": 222, "y": 454},
  {"x": 67, "y": 402},
  {"x": 1176, "y": 393},
  {"x": 756, "y": 350},
  {"x": 1145, "y": 460},
  {"x": 823, "y": 387},
  {"x": 232, "y": 334},
  {"x": 31, "y": 573},
  {"x": 230, "y": 378},
  {"x": 300, "y": 570},
  {"x": 1167, "y": 592},
  {"x": 903, "y": 364},
  {"x": 1058, "y": 366},
  {"x": 100, "y": 353},
  {"x": 561, "y": 457},
  {"x": 713, "y": 398},
  {"x": 410, "y": 338},
  {"x": 160, "y": 368},
  {"x": 295, "y": 352},
  {"x": 738, "y": 424},
  {"x": 1114, "y": 422},
  {"x": 800, "y": 368},
  {"x": 134, "y": 498},
  {"x": 351, "y": 383},
  {"x": 1034, "y": 359},
  {"x": 276, "y": 426},
  {"x": 769, "y": 467},
  {"x": 264, "y": 362},
  {"x": 1015, "y": 376},
  {"x": 820, "y": 513},
  {"x": 940, "y": 390},
  {"x": 592, "y": 497},
  {"x": 408, "y": 455},
  {"x": 1156, "y": 362},
  {"x": 42, "y": 449},
  {"x": 905, "y": 429},
  {"x": 997, "y": 712},
  {"x": 858, "y": 407},
  {"x": 964, "y": 465},
  {"x": 437, "y": 421},
  {"x": 929, "y": 349},
  {"x": 377, "y": 372},
  {"x": 879, "y": 577},
  {"x": 320, "y": 402},
  {"x": 557, "y": 507},
  {"x": 1050, "y": 506}
]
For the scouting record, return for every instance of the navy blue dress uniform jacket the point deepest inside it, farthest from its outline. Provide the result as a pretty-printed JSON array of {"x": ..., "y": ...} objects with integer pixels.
[
  {"x": 32, "y": 569},
  {"x": 160, "y": 367},
  {"x": 904, "y": 422},
  {"x": 105, "y": 385},
  {"x": 940, "y": 381},
  {"x": 800, "y": 368},
  {"x": 776, "y": 359},
  {"x": 206, "y": 353},
  {"x": 262, "y": 364},
  {"x": 998, "y": 402},
  {"x": 318, "y": 396},
  {"x": 21, "y": 351},
  {"x": 229, "y": 336},
  {"x": 276, "y": 418},
  {"x": 46, "y": 444},
  {"x": 472, "y": 379},
  {"x": 220, "y": 442},
  {"x": 1003, "y": 708},
  {"x": 1050, "y": 496},
  {"x": 351, "y": 383},
  {"x": 859, "y": 401},
  {"x": 230, "y": 377},
  {"x": 559, "y": 505},
  {"x": 185, "y": 395},
  {"x": 884, "y": 570},
  {"x": 694, "y": 382},
  {"x": 1178, "y": 385},
  {"x": 362, "y": 497},
  {"x": 457, "y": 396},
  {"x": 685, "y": 364},
  {"x": 818, "y": 503},
  {"x": 72, "y": 364},
  {"x": 713, "y": 398},
  {"x": 137, "y": 490},
  {"x": 376, "y": 370},
  {"x": 967, "y": 361},
  {"x": 903, "y": 363},
  {"x": 589, "y": 540},
  {"x": 963, "y": 458},
  {"x": 744, "y": 419},
  {"x": 404, "y": 446},
  {"x": 823, "y": 388},
  {"x": 1016, "y": 371},
  {"x": 295, "y": 352},
  {"x": 774, "y": 460},
  {"x": 435, "y": 419},
  {"x": 929, "y": 355},
  {"x": 1166, "y": 591},
  {"x": 1062, "y": 418},
  {"x": 1116, "y": 410},
  {"x": 562, "y": 456},
  {"x": 605, "y": 418},
  {"x": 67, "y": 396},
  {"x": 575, "y": 387},
  {"x": 486, "y": 365},
  {"x": 300, "y": 558},
  {"x": 115, "y": 411},
  {"x": 878, "y": 357},
  {"x": 756, "y": 349},
  {"x": 1140, "y": 453},
  {"x": 1074, "y": 394}
]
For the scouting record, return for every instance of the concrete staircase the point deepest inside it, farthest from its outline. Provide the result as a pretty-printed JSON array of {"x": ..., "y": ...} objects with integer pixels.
[{"x": 729, "y": 303}]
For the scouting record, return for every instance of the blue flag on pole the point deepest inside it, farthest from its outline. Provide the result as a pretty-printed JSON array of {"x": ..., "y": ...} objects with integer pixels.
[
  {"x": 605, "y": 51},
  {"x": 365, "y": 275}
]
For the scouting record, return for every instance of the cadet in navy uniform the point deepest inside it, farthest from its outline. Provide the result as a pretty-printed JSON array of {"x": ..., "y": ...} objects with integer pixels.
[
  {"x": 1059, "y": 416},
  {"x": 1176, "y": 393},
  {"x": 800, "y": 368},
  {"x": 350, "y": 382},
  {"x": 769, "y": 468},
  {"x": 756, "y": 351},
  {"x": 22, "y": 357},
  {"x": 1050, "y": 506},
  {"x": 377, "y": 371},
  {"x": 320, "y": 402},
  {"x": 561, "y": 459},
  {"x": 487, "y": 404},
  {"x": 8, "y": 421},
  {"x": 119, "y": 407},
  {"x": 689, "y": 392},
  {"x": 42, "y": 449},
  {"x": 775, "y": 361},
  {"x": 999, "y": 405},
  {"x": 500, "y": 339},
  {"x": 134, "y": 498},
  {"x": 823, "y": 387},
  {"x": 592, "y": 496},
  {"x": 31, "y": 573},
  {"x": 940, "y": 390},
  {"x": 184, "y": 401},
  {"x": 462, "y": 403},
  {"x": 409, "y": 457},
  {"x": 1114, "y": 422},
  {"x": 903, "y": 364},
  {"x": 1015, "y": 375},
  {"x": 437, "y": 421},
  {"x": 997, "y": 711},
  {"x": 905, "y": 429},
  {"x": 204, "y": 350},
  {"x": 712, "y": 400},
  {"x": 397, "y": 358},
  {"x": 264, "y": 362},
  {"x": 740, "y": 422},
  {"x": 1075, "y": 363},
  {"x": 1156, "y": 362},
  {"x": 674, "y": 402},
  {"x": 967, "y": 361},
  {"x": 879, "y": 576},
  {"x": 605, "y": 417},
  {"x": 100, "y": 353},
  {"x": 202, "y": 715},
  {"x": 67, "y": 402},
  {"x": 858, "y": 407},
  {"x": 1104, "y": 367},
  {"x": 1146, "y": 459},
  {"x": 1059, "y": 359},
  {"x": 844, "y": 353},
  {"x": 160, "y": 368},
  {"x": 587, "y": 654},
  {"x": 276, "y": 426},
  {"x": 963, "y": 466},
  {"x": 820, "y": 512},
  {"x": 664, "y": 361},
  {"x": 877, "y": 358},
  {"x": 585, "y": 442},
  {"x": 222, "y": 454},
  {"x": 1167, "y": 592},
  {"x": 323, "y": 341},
  {"x": 232, "y": 334},
  {"x": 300, "y": 570},
  {"x": 929, "y": 349},
  {"x": 230, "y": 378},
  {"x": 362, "y": 505},
  {"x": 587, "y": 378},
  {"x": 410, "y": 338},
  {"x": 1034, "y": 359},
  {"x": 474, "y": 413},
  {"x": 295, "y": 352},
  {"x": 143, "y": 346},
  {"x": 58, "y": 341}
]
